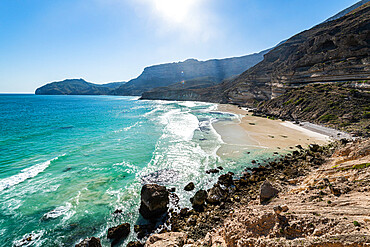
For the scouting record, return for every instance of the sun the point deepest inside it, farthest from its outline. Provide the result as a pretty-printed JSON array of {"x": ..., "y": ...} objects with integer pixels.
[{"x": 175, "y": 10}]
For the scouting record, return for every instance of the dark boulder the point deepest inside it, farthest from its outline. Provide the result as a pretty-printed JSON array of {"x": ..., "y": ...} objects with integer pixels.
[
  {"x": 89, "y": 242},
  {"x": 154, "y": 201},
  {"x": 119, "y": 232},
  {"x": 117, "y": 211},
  {"x": 212, "y": 171},
  {"x": 216, "y": 194},
  {"x": 226, "y": 179},
  {"x": 314, "y": 147},
  {"x": 267, "y": 192},
  {"x": 143, "y": 231},
  {"x": 189, "y": 187},
  {"x": 199, "y": 199}
]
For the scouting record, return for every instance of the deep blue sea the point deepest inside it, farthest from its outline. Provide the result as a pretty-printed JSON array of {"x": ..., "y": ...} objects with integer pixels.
[{"x": 68, "y": 162}]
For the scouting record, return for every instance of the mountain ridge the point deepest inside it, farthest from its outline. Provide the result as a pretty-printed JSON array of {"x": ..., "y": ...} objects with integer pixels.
[
  {"x": 76, "y": 87},
  {"x": 331, "y": 51}
]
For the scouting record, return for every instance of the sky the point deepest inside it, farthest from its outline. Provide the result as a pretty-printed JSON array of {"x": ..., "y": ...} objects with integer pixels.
[{"x": 113, "y": 40}]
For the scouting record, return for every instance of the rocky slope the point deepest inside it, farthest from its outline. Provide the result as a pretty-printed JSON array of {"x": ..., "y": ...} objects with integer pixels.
[
  {"x": 344, "y": 106},
  {"x": 338, "y": 50},
  {"x": 313, "y": 197},
  {"x": 76, "y": 87},
  {"x": 347, "y": 10},
  {"x": 166, "y": 74}
]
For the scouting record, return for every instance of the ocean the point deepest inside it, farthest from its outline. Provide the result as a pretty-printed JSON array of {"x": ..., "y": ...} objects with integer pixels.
[{"x": 68, "y": 162}]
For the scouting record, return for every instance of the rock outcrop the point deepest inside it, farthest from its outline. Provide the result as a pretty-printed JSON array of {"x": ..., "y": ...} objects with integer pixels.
[
  {"x": 306, "y": 212},
  {"x": 89, "y": 242},
  {"x": 76, "y": 87},
  {"x": 199, "y": 199},
  {"x": 189, "y": 187},
  {"x": 118, "y": 233},
  {"x": 267, "y": 192},
  {"x": 154, "y": 201}
]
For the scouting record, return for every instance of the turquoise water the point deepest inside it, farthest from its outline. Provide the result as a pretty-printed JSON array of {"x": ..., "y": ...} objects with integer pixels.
[{"x": 68, "y": 162}]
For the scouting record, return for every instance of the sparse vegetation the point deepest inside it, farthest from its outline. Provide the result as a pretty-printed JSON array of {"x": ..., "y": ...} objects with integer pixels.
[
  {"x": 328, "y": 117},
  {"x": 337, "y": 105}
]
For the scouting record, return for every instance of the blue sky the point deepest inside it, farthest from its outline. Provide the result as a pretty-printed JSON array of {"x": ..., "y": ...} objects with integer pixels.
[{"x": 113, "y": 40}]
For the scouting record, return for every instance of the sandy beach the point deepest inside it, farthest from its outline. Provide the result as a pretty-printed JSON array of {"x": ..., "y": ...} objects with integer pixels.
[{"x": 248, "y": 132}]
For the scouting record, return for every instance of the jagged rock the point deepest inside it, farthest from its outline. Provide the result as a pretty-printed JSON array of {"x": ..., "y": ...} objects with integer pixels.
[
  {"x": 199, "y": 199},
  {"x": 189, "y": 187},
  {"x": 154, "y": 201},
  {"x": 226, "y": 179},
  {"x": 143, "y": 230},
  {"x": 174, "y": 200},
  {"x": 278, "y": 209},
  {"x": 118, "y": 211},
  {"x": 314, "y": 147},
  {"x": 267, "y": 192},
  {"x": 174, "y": 239},
  {"x": 212, "y": 171},
  {"x": 135, "y": 244},
  {"x": 216, "y": 194},
  {"x": 184, "y": 212},
  {"x": 89, "y": 242},
  {"x": 119, "y": 232},
  {"x": 172, "y": 190}
]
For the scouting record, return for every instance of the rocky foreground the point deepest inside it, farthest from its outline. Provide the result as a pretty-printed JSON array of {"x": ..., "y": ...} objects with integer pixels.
[
  {"x": 314, "y": 197},
  {"x": 319, "y": 196}
]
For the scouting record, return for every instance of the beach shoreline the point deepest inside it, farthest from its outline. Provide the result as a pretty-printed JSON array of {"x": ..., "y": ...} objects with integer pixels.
[{"x": 249, "y": 132}]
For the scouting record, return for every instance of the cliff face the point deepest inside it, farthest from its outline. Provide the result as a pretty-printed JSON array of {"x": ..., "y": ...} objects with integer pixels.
[
  {"x": 166, "y": 74},
  {"x": 76, "y": 87},
  {"x": 338, "y": 50}
]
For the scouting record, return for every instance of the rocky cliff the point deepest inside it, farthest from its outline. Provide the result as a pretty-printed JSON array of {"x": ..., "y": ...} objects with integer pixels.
[
  {"x": 338, "y": 50},
  {"x": 166, "y": 74},
  {"x": 76, "y": 87},
  {"x": 333, "y": 51}
]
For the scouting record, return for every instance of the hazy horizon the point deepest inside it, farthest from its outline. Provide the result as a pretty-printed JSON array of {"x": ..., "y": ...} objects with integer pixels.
[{"x": 106, "y": 41}]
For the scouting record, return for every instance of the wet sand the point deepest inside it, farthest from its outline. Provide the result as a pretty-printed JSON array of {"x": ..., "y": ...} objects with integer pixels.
[{"x": 249, "y": 132}]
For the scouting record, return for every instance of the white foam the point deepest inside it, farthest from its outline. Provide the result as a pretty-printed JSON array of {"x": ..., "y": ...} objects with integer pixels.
[
  {"x": 25, "y": 174},
  {"x": 135, "y": 98},
  {"x": 180, "y": 126},
  {"x": 188, "y": 103},
  {"x": 127, "y": 128},
  {"x": 30, "y": 239},
  {"x": 58, "y": 211}
]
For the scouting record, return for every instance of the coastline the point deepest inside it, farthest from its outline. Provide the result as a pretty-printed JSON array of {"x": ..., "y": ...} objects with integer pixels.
[
  {"x": 248, "y": 132},
  {"x": 315, "y": 203}
]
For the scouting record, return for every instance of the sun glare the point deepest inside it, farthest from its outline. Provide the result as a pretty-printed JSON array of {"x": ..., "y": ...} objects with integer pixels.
[{"x": 175, "y": 10}]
